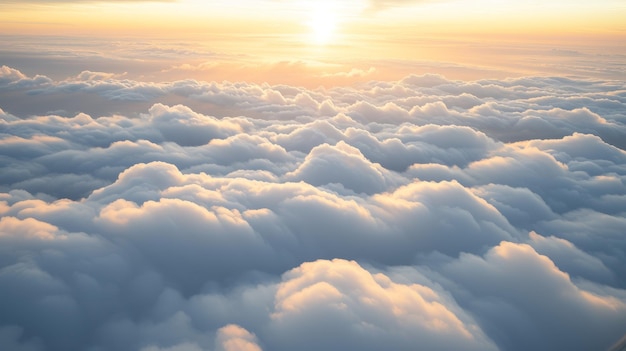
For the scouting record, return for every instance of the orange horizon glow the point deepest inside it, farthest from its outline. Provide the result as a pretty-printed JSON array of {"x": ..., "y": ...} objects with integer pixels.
[{"x": 334, "y": 43}]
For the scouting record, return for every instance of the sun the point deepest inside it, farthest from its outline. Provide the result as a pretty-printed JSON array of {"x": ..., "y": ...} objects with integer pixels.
[{"x": 322, "y": 23}]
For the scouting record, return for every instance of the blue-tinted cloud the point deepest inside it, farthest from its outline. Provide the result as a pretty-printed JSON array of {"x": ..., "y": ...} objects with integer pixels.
[{"x": 482, "y": 215}]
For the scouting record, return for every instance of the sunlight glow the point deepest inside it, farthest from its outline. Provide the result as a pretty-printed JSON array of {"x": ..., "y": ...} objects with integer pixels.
[{"x": 323, "y": 23}]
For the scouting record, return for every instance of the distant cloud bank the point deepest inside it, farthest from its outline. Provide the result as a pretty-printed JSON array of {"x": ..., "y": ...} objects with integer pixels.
[{"x": 425, "y": 212}]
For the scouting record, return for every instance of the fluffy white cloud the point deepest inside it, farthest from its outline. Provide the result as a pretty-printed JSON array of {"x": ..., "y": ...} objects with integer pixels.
[
  {"x": 11, "y": 78},
  {"x": 339, "y": 305},
  {"x": 233, "y": 216},
  {"x": 516, "y": 289},
  {"x": 235, "y": 338},
  {"x": 327, "y": 164},
  {"x": 187, "y": 128}
]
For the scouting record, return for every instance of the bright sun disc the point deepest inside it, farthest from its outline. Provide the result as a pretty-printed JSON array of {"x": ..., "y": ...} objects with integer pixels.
[{"x": 322, "y": 23}]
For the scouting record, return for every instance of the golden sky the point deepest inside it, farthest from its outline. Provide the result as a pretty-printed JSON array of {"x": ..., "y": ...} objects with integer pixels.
[
  {"x": 338, "y": 39},
  {"x": 427, "y": 16}
]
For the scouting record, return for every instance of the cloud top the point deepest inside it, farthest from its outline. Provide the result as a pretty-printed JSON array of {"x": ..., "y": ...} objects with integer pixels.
[{"x": 483, "y": 215}]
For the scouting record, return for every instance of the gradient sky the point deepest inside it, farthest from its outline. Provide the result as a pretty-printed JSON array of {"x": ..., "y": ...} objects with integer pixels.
[
  {"x": 335, "y": 38},
  {"x": 452, "y": 16}
]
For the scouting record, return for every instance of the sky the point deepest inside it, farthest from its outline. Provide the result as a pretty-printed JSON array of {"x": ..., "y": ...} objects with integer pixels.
[
  {"x": 313, "y": 43},
  {"x": 293, "y": 175}
]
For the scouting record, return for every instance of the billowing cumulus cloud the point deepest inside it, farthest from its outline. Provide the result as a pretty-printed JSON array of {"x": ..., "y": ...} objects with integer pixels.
[
  {"x": 425, "y": 212},
  {"x": 338, "y": 304},
  {"x": 527, "y": 293}
]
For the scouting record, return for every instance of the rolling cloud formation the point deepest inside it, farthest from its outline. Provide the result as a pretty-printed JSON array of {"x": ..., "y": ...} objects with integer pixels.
[{"x": 187, "y": 215}]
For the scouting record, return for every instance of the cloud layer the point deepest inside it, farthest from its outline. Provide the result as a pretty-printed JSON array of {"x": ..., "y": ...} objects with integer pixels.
[{"x": 478, "y": 215}]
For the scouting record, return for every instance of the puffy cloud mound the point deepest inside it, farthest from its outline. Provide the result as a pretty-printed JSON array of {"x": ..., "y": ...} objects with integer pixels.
[
  {"x": 338, "y": 304},
  {"x": 429, "y": 213},
  {"x": 187, "y": 128},
  {"x": 526, "y": 293}
]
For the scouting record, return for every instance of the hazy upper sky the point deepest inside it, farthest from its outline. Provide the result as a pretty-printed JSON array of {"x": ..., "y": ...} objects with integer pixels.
[
  {"x": 293, "y": 17},
  {"x": 312, "y": 175}
]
